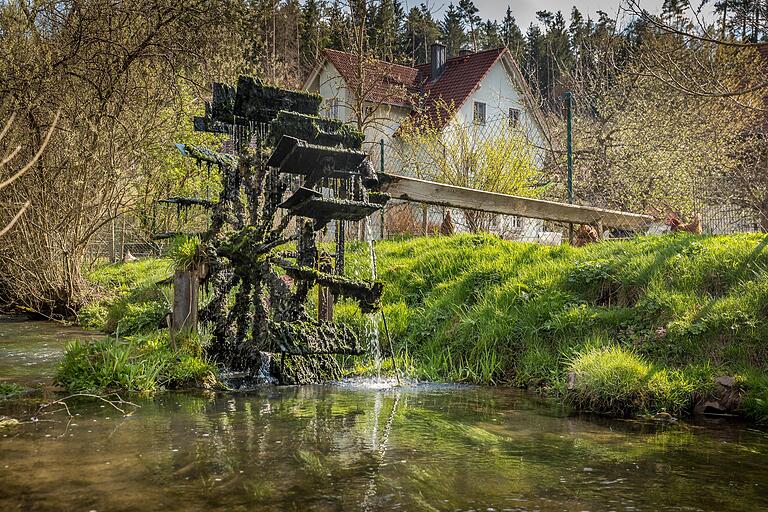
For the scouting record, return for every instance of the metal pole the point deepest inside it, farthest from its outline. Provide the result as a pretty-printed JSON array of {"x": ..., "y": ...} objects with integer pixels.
[
  {"x": 381, "y": 167},
  {"x": 569, "y": 152},
  {"x": 569, "y": 141}
]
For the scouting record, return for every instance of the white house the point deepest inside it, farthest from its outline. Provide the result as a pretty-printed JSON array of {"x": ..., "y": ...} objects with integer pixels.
[{"x": 482, "y": 92}]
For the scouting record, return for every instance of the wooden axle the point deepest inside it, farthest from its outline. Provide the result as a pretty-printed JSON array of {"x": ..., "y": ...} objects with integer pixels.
[{"x": 429, "y": 192}]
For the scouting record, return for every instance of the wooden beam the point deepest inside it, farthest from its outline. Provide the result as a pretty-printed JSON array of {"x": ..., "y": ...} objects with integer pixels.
[{"x": 421, "y": 191}]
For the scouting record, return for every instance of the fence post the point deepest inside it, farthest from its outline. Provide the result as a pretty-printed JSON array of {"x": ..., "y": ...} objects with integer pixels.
[
  {"x": 569, "y": 152},
  {"x": 569, "y": 141},
  {"x": 381, "y": 165}
]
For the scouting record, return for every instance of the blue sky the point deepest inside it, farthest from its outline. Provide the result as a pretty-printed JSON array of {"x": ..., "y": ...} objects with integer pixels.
[{"x": 525, "y": 10}]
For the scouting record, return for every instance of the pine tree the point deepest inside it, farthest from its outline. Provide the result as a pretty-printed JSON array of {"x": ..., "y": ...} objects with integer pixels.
[
  {"x": 452, "y": 28},
  {"x": 512, "y": 36},
  {"x": 312, "y": 32},
  {"x": 468, "y": 11},
  {"x": 490, "y": 36},
  {"x": 338, "y": 25},
  {"x": 535, "y": 54},
  {"x": 419, "y": 32}
]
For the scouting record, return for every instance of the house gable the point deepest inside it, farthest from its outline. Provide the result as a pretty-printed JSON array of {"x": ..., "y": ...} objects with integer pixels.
[{"x": 490, "y": 76}]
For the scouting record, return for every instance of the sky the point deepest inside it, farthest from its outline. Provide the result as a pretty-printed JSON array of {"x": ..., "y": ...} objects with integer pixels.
[{"x": 524, "y": 11}]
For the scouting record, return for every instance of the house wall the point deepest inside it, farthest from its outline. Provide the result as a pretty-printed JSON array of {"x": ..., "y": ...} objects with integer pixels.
[
  {"x": 387, "y": 118},
  {"x": 499, "y": 94}
]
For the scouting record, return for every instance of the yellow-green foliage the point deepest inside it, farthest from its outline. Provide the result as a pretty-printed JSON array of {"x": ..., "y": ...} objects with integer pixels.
[
  {"x": 609, "y": 380},
  {"x": 617, "y": 381},
  {"x": 184, "y": 251},
  {"x": 480, "y": 309}
]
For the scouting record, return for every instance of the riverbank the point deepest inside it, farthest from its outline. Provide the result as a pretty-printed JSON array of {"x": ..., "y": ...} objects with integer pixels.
[{"x": 673, "y": 323}]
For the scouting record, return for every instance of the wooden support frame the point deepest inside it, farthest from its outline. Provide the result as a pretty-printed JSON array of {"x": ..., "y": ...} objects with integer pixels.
[{"x": 440, "y": 194}]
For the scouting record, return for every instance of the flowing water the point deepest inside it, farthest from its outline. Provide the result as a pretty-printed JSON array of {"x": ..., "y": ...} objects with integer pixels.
[
  {"x": 373, "y": 335},
  {"x": 348, "y": 447}
]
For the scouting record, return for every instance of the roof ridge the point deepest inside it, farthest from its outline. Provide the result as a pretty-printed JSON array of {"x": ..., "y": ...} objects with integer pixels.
[
  {"x": 375, "y": 58},
  {"x": 499, "y": 49}
]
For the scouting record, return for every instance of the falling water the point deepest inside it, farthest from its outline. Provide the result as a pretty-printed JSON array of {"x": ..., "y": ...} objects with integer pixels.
[{"x": 374, "y": 347}]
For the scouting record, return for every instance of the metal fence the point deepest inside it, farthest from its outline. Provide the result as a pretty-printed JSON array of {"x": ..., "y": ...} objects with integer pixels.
[
  {"x": 503, "y": 153},
  {"x": 511, "y": 157}
]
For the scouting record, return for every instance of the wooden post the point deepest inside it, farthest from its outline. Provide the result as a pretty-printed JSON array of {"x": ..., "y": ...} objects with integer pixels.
[
  {"x": 122, "y": 242},
  {"x": 186, "y": 298},
  {"x": 324, "y": 295},
  {"x": 599, "y": 228}
]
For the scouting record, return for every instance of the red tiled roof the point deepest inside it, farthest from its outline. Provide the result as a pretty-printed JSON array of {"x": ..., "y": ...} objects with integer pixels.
[
  {"x": 460, "y": 77},
  {"x": 398, "y": 85},
  {"x": 382, "y": 82}
]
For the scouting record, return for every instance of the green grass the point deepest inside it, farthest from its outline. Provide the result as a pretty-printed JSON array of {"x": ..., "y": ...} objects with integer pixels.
[
  {"x": 140, "y": 364},
  {"x": 681, "y": 310},
  {"x": 129, "y": 300},
  {"x": 676, "y": 310}
]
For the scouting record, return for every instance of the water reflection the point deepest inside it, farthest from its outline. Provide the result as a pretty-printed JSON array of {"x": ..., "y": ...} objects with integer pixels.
[
  {"x": 340, "y": 448},
  {"x": 355, "y": 447}
]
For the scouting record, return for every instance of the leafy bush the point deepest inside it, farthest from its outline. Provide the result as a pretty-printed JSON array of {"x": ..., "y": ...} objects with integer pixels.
[
  {"x": 142, "y": 317},
  {"x": 93, "y": 315}
]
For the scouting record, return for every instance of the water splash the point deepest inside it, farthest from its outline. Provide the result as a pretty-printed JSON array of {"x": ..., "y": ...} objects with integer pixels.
[{"x": 372, "y": 322}]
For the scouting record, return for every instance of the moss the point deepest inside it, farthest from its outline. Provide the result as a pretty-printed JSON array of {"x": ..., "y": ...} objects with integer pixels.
[
  {"x": 202, "y": 154},
  {"x": 315, "y": 130},
  {"x": 258, "y": 102}
]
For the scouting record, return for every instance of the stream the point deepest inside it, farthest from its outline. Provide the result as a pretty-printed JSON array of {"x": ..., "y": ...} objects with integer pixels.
[{"x": 350, "y": 447}]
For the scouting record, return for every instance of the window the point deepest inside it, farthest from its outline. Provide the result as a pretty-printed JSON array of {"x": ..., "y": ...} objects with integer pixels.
[
  {"x": 514, "y": 118},
  {"x": 479, "y": 113},
  {"x": 333, "y": 108},
  {"x": 515, "y": 222}
]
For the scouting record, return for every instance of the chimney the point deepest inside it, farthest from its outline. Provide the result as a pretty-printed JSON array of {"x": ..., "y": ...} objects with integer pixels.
[{"x": 438, "y": 60}]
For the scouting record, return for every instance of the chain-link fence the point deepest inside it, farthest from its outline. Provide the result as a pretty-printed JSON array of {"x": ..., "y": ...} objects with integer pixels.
[{"x": 507, "y": 154}]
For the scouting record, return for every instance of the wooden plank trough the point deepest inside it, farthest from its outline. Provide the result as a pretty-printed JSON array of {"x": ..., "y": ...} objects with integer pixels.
[{"x": 422, "y": 191}]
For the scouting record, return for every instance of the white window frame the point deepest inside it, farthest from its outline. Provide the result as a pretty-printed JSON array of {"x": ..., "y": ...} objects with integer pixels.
[
  {"x": 479, "y": 113},
  {"x": 514, "y": 117},
  {"x": 333, "y": 108}
]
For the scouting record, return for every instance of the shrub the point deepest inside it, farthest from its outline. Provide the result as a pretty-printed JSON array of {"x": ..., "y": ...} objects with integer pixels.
[
  {"x": 142, "y": 317},
  {"x": 609, "y": 380},
  {"x": 93, "y": 315},
  {"x": 140, "y": 365}
]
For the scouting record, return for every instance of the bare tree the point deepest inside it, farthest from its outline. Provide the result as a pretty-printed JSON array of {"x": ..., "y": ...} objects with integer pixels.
[
  {"x": 7, "y": 159},
  {"x": 113, "y": 70}
]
